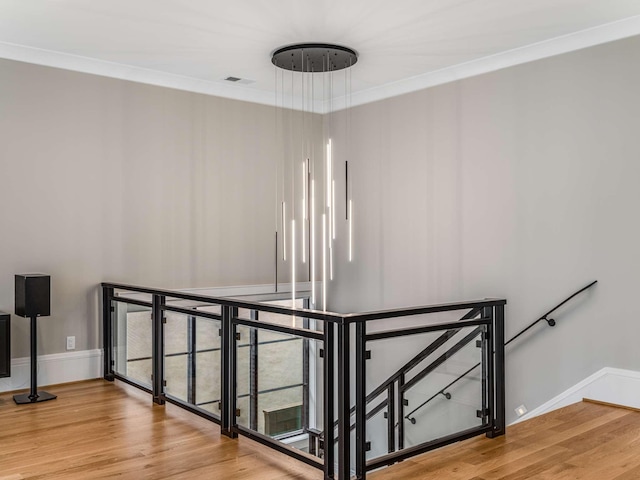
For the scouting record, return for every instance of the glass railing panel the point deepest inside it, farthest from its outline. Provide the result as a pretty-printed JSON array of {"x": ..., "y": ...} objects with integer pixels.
[
  {"x": 210, "y": 309},
  {"x": 445, "y": 358},
  {"x": 444, "y": 416},
  {"x": 376, "y": 430},
  {"x": 132, "y": 340},
  {"x": 281, "y": 412},
  {"x": 244, "y": 356},
  {"x": 176, "y": 355},
  {"x": 277, "y": 378},
  {"x": 192, "y": 360},
  {"x": 421, "y": 320},
  {"x": 276, "y": 318},
  {"x": 284, "y": 354},
  {"x": 207, "y": 391}
]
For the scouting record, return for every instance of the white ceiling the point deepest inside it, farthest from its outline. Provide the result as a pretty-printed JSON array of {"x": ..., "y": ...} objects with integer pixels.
[{"x": 403, "y": 45}]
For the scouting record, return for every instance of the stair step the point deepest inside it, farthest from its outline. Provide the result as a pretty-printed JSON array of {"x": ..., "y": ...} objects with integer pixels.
[{"x": 609, "y": 404}]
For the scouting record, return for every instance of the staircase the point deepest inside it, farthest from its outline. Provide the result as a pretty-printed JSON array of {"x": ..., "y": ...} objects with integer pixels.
[
  {"x": 404, "y": 398},
  {"x": 584, "y": 440}
]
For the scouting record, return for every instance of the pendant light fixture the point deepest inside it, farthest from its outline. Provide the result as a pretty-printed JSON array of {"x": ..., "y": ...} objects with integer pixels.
[{"x": 308, "y": 78}]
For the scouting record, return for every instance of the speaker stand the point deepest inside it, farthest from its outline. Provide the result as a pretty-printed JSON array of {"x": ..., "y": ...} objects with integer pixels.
[{"x": 33, "y": 396}]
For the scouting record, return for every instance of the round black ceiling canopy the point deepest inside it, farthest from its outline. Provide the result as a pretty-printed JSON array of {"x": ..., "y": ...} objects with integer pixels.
[{"x": 314, "y": 57}]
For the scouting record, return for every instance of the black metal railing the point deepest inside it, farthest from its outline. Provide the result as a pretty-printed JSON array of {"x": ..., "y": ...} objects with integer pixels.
[
  {"x": 396, "y": 383},
  {"x": 337, "y": 337}
]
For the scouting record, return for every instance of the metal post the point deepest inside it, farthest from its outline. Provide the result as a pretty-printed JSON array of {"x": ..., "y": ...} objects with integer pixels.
[
  {"x": 33, "y": 396},
  {"x": 191, "y": 360},
  {"x": 344, "y": 402},
  {"x": 233, "y": 371},
  {"x": 484, "y": 357},
  {"x": 253, "y": 374},
  {"x": 500, "y": 405},
  {"x": 34, "y": 354},
  {"x": 305, "y": 373},
  {"x": 313, "y": 445},
  {"x": 329, "y": 392},
  {"x": 227, "y": 386},
  {"x": 361, "y": 401},
  {"x": 401, "y": 406},
  {"x": 157, "y": 349},
  {"x": 487, "y": 312},
  {"x": 107, "y": 333},
  {"x": 391, "y": 418}
]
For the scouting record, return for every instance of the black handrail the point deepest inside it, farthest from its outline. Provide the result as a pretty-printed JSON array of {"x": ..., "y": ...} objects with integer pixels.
[{"x": 550, "y": 321}]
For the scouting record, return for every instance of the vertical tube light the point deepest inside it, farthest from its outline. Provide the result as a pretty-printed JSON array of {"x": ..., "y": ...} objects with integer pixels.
[
  {"x": 324, "y": 262},
  {"x": 304, "y": 211},
  {"x": 313, "y": 245},
  {"x": 329, "y": 190},
  {"x": 350, "y": 230},
  {"x": 293, "y": 269},
  {"x": 284, "y": 231},
  {"x": 333, "y": 210}
]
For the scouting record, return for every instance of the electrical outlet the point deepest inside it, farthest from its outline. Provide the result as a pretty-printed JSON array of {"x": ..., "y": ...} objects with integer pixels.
[
  {"x": 71, "y": 343},
  {"x": 521, "y": 410}
]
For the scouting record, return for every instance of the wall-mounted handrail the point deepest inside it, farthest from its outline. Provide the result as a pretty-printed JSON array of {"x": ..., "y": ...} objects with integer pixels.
[{"x": 550, "y": 321}]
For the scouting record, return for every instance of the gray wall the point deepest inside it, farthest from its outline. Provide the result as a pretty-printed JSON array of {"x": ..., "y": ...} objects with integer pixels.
[
  {"x": 108, "y": 180},
  {"x": 523, "y": 184}
]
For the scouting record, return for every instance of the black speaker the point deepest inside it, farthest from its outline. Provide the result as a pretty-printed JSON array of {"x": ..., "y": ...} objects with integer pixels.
[
  {"x": 33, "y": 295},
  {"x": 5, "y": 345},
  {"x": 33, "y": 299}
]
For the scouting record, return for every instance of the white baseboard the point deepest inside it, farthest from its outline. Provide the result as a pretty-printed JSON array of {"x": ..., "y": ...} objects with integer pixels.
[
  {"x": 611, "y": 385},
  {"x": 53, "y": 369}
]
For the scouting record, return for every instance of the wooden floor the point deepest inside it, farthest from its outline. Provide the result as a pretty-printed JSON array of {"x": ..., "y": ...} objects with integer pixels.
[
  {"x": 98, "y": 429},
  {"x": 583, "y": 441}
]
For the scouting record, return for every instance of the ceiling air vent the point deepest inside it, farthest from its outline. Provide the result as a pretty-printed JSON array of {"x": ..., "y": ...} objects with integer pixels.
[{"x": 239, "y": 81}]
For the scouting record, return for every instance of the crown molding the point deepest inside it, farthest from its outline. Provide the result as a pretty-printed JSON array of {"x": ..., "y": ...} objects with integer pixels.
[
  {"x": 120, "y": 71},
  {"x": 609, "y": 32}
]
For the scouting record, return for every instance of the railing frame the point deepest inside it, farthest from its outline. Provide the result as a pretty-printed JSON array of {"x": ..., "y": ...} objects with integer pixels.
[{"x": 337, "y": 345}]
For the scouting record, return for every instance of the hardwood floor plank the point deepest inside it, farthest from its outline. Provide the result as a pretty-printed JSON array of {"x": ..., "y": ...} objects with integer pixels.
[
  {"x": 582, "y": 441},
  {"x": 99, "y": 429},
  {"x": 599, "y": 402}
]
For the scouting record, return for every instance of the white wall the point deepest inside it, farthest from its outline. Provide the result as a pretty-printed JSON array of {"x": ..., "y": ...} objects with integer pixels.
[
  {"x": 108, "y": 180},
  {"x": 522, "y": 184}
]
